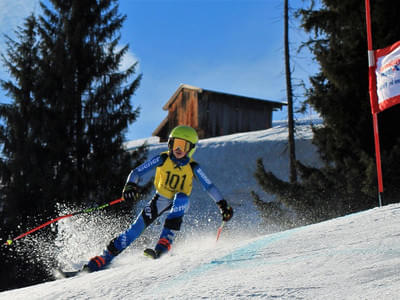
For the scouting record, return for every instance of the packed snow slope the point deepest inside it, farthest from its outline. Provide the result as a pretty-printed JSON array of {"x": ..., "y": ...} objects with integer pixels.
[{"x": 352, "y": 257}]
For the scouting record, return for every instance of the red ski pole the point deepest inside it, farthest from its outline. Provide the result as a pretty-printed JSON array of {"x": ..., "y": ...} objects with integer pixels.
[
  {"x": 88, "y": 210},
  {"x": 220, "y": 229}
]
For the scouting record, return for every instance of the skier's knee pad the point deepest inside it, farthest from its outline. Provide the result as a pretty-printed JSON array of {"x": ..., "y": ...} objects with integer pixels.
[
  {"x": 112, "y": 249},
  {"x": 175, "y": 216},
  {"x": 173, "y": 224}
]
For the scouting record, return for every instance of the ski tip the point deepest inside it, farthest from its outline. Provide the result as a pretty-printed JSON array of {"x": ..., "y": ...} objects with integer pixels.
[{"x": 60, "y": 274}]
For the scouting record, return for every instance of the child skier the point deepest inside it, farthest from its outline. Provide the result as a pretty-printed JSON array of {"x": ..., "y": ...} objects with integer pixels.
[{"x": 173, "y": 183}]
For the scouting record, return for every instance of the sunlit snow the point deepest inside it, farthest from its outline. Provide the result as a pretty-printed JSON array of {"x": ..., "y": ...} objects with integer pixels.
[{"x": 352, "y": 257}]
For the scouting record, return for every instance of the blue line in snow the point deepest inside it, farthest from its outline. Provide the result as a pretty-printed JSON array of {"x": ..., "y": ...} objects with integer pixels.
[
  {"x": 246, "y": 253},
  {"x": 250, "y": 251}
]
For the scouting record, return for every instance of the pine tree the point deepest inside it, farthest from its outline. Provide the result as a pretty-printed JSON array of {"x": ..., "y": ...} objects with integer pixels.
[
  {"x": 90, "y": 95},
  {"x": 62, "y": 141},
  {"x": 339, "y": 92},
  {"x": 21, "y": 169}
]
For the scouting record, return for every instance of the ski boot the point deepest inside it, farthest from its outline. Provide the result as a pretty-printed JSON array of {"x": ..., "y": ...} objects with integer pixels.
[
  {"x": 98, "y": 262},
  {"x": 162, "y": 247}
]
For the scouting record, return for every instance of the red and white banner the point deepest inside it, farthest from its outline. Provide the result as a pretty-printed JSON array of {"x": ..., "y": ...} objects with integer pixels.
[{"x": 387, "y": 73}]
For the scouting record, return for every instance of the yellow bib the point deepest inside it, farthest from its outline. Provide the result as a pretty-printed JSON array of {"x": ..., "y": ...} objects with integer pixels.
[{"x": 171, "y": 179}]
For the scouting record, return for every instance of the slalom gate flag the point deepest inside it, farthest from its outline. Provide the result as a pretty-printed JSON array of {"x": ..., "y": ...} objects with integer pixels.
[{"x": 388, "y": 76}]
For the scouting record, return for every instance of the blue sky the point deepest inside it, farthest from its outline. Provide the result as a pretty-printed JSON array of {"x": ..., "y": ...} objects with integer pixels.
[{"x": 232, "y": 46}]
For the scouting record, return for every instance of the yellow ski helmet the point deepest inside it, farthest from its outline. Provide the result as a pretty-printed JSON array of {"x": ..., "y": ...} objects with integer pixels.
[{"x": 186, "y": 133}]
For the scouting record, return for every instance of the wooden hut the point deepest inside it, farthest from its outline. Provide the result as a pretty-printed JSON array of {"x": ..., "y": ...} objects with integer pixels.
[{"x": 214, "y": 113}]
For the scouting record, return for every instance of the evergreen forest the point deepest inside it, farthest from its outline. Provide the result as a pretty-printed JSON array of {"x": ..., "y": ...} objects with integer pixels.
[{"x": 339, "y": 93}]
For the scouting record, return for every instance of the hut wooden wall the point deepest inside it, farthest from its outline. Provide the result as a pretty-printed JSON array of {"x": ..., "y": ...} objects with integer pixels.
[
  {"x": 184, "y": 110},
  {"x": 215, "y": 114},
  {"x": 221, "y": 114}
]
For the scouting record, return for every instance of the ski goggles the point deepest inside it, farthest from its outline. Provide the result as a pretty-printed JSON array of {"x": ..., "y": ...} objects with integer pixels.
[{"x": 181, "y": 144}]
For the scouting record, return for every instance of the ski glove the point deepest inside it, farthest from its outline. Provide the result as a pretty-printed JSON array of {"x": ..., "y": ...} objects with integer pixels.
[
  {"x": 226, "y": 210},
  {"x": 131, "y": 191}
]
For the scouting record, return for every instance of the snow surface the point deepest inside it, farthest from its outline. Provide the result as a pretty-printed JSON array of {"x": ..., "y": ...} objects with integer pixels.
[{"x": 352, "y": 257}]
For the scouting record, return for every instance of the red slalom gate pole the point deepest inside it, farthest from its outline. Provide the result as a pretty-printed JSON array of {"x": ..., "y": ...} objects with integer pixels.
[
  {"x": 88, "y": 210},
  {"x": 374, "y": 100}
]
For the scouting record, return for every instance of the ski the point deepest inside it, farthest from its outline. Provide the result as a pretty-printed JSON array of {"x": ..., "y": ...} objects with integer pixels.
[
  {"x": 150, "y": 253},
  {"x": 68, "y": 274}
]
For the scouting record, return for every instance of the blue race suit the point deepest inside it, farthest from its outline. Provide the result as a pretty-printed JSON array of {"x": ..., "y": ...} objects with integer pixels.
[{"x": 173, "y": 183}]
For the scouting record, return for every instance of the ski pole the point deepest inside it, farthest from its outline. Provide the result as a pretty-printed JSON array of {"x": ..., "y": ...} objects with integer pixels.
[
  {"x": 220, "y": 229},
  {"x": 87, "y": 210}
]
